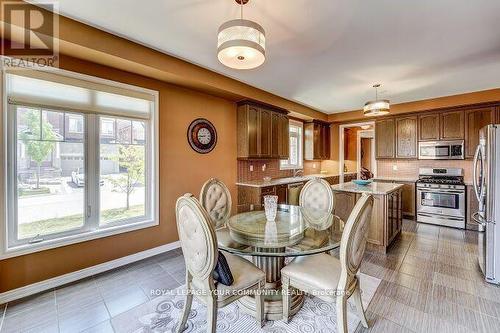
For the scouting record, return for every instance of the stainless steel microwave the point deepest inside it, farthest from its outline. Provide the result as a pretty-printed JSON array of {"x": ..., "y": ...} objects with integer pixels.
[{"x": 441, "y": 150}]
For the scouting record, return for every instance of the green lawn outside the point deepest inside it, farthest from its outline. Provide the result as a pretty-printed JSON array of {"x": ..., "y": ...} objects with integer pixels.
[{"x": 50, "y": 226}]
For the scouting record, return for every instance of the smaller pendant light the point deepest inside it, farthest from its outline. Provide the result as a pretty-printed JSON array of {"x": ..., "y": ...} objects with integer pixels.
[
  {"x": 241, "y": 44},
  {"x": 378, "y": 107}
]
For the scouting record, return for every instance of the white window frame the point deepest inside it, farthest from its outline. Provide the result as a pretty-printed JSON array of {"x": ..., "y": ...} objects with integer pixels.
[
  {"x": 91, "y": 127},
  {"x": 285, "y": 164}
]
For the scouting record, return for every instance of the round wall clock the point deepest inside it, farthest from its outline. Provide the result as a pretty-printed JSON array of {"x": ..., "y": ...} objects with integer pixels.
[{"x": 202, "y": 136}]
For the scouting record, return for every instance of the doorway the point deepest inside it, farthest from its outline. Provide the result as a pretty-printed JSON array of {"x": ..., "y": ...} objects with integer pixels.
[{"x": 357, "y": 150}]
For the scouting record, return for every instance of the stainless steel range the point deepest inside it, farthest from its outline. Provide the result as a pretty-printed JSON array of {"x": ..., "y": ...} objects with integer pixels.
[{"x": 441, "y": 197}]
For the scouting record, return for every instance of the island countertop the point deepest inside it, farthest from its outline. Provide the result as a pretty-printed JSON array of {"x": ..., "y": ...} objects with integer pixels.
[
  {"x": 286, "y": 180},
  {"x": 376, "y": 188}
]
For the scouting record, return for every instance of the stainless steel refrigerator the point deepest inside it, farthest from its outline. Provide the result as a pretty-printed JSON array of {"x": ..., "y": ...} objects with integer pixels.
[{"x": 486, "y": 181}]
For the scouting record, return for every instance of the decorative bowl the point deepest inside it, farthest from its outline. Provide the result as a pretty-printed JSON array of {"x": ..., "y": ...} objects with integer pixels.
[{"x": 362, "y": 181}]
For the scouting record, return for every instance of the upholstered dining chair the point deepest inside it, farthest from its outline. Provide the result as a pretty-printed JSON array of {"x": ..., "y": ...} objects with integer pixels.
[
  {"x": 317, "y": 194},
  {"x": 336, "y": 281},
  {"x": 216, "y": 199},
  {"x": 199, "y": 247}
]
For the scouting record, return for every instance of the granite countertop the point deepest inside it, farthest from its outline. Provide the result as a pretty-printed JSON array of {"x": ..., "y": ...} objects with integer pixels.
[
  {"x": 287, "y": 180},
  {"x": 379, "y": 188},
  {"x": 398, "y": 179}
]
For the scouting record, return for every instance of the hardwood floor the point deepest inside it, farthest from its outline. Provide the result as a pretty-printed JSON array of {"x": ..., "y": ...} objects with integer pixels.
[{"x": 431, "y": 283}]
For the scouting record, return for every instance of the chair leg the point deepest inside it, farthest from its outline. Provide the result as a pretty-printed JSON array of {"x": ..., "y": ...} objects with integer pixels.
[
  {"x": 285, "y": 288},
  {"x": 185, "y": 313},
  {"x": 259, "y": 305},
  {"x": 212, "y": 314},
  {"x": 342, "y": 313},
  {"x": 359, "y": 306}
]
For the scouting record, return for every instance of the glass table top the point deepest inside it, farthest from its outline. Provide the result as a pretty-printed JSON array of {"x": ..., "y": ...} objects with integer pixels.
[{"x": 296, "y": 231}]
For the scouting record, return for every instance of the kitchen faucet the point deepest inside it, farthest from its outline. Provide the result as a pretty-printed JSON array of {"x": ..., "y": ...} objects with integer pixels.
[{"x": 296, "y": 172}]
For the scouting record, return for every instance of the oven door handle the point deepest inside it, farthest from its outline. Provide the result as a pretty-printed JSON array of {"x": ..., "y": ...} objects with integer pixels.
[
  {"x": 440, "y": 217},
  {"x": 440, "y": 191}
]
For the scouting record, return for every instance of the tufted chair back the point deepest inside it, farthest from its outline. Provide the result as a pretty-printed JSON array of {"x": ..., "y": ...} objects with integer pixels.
[
  {"x": 317, "y": 194},
  {"x": 198, "y": 240},
  {"x": 353, "y": 242},
  {"x": 216, "y": 200}
]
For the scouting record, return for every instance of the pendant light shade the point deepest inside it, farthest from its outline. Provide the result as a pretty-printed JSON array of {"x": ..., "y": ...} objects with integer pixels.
[
  {"x": 241, "y": 44},
  {"x": 378, "y": 107}
]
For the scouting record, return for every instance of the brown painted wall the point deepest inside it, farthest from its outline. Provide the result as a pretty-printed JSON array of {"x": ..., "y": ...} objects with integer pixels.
[{"x": 181, "y": 170}]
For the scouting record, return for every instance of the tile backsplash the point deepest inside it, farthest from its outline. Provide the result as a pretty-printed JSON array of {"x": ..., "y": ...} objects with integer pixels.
[
  {"x": 272, "y": 169},
  {"x": 409, "y": 168}
]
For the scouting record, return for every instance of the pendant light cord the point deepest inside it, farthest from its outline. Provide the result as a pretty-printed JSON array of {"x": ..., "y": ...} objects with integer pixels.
[{"x": 241, "y": 9}]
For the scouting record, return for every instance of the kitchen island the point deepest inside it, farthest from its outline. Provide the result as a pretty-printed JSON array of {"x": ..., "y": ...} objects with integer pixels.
[{"x": 387, "y": 216}]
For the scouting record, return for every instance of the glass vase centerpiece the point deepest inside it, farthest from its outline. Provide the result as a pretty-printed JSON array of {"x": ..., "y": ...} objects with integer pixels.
[{"x": 271, "y": 207}]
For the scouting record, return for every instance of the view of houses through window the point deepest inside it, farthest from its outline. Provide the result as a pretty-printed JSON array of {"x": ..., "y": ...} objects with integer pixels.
[{"x": 51, "y": 176}]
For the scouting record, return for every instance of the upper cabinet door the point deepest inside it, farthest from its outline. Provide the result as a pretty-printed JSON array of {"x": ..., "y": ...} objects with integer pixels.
[
  {"x": 276, "y": 133},
  {"x": 429, "y": 127},
  {"x": 384, "y": 138},
  {"x": 452, "y": 125},
  {"x": 406, "y": 137},
  {"x": 284, "y": 143},
  {"x": 265, "y": 132},
  {"x": 476, "y": 119},
  {"x": 326, "y": 141}
]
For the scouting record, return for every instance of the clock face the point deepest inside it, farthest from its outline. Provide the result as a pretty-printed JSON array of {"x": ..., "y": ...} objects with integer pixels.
[{"x": 202, "y": 136}]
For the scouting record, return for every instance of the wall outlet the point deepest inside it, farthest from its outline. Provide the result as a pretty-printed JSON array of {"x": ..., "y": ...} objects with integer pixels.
[
  {"x": 251, "y": 167},
  {"x": 263, "y": 167},
  {"x": 314, "y": 165},
  {"x": 394, "y": 167}
]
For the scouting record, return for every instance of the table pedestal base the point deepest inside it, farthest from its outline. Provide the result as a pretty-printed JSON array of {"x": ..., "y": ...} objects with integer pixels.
[{"x": 273, "y": 301}]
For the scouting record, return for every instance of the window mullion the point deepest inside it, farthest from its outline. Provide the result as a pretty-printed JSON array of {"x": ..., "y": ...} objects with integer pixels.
[{"x": 92, "y": 173}]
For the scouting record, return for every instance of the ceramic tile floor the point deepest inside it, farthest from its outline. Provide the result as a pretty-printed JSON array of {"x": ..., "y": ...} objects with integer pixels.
[{"x": 430, "y": 283}]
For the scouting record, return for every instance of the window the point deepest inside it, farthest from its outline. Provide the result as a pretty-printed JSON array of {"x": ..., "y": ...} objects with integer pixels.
[
  {"x": 75, "y": 124},
  {"x": 296, "y": 142},
  {"x": 75, "y": 176}
]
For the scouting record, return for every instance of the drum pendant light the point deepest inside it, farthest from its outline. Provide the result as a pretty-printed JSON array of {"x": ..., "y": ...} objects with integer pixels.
[
  {"x": 378, "y": 107},
  {"x": 241, "y": 44}
]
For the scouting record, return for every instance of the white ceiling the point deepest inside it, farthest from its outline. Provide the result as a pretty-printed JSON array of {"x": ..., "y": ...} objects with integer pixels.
[{"x": 326, "y": 53}]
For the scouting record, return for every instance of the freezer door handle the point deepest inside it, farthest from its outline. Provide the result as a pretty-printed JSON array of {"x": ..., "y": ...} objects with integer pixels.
[
  {"x": 478, "y": 188},
  {"x": 481, "y": 220}
]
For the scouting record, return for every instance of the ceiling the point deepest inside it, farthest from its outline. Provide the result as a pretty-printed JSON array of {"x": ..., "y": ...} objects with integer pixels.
[{"x": 325, "y": 54}]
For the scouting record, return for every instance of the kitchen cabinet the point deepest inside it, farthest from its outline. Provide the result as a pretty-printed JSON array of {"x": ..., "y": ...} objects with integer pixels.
[
  {"x": 394, "y": 215},
  {"x": 406, "y": 137},
  {"x": 384, "y": 138},
  {"x": 452, "y": 125},
  {"x": 343, "y": 204},
  {"x": 282, "y": 193},
  {"x": 316, "y": 140},
  {"x": 475, "y": 119},
  {"x": 429, "y": 127},
  {"x": 407, "y": 196},
  {"x": 265, "y": 123},
  {"x": 387, "y": 219},
  {"x": 262, "y": 131}
]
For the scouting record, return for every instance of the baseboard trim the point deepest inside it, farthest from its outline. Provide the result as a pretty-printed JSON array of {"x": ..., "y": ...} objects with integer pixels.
[{"x": 58, "y": 281}]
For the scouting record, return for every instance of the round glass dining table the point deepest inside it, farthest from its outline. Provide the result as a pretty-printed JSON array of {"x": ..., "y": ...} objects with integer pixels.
[{"x": 296, "y": 231}]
